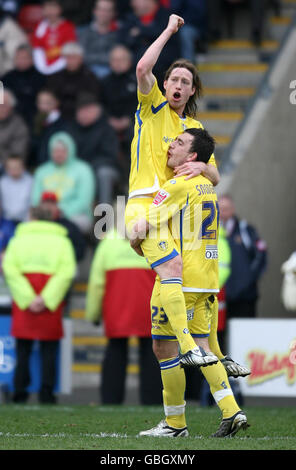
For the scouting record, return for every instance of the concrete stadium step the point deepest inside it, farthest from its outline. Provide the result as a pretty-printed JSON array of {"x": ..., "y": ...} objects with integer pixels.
[
  {"x": 88, "y": 354},
  {"x": 238, "y": 51},
  {"x": 243, "y": 46},
  {"x": 80, "y": 288},
  {"x": 277, "y": 26},
  {"x": 232, "y": 75},
  {"x": 288, "y": 8},
  {"x": 222, "y": 141},
  {"x": 100, "y": 341},
  {"x": 288, "y": 3},
  {"x": 82, "y": 327},
  {"x": 222, "y": 123},
  {"x": 77, "y": 314},
  {"x": 97, "y": 368},
  {"x": 226, "y": 98}
]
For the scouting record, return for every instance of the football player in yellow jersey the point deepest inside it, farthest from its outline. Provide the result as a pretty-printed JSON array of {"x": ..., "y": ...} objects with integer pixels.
[
  {"x": 190, "y": 205},
  {"x": 159, "y": 119}
]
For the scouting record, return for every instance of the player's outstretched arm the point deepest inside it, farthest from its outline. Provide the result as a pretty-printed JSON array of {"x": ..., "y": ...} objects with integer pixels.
[
  {"x": 192, "y": 169},
  {"x": 145, "y": 65}
]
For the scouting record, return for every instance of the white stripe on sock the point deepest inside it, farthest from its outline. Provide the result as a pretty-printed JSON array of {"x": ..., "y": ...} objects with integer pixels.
[
  {"x": 220, "y": 394},
  {"x": 174, "y": 410}
]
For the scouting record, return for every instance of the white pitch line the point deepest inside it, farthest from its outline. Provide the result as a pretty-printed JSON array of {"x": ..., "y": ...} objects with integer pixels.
[
  {"x": 64, "y": 435},
  {"x": 125, "y": 436}
]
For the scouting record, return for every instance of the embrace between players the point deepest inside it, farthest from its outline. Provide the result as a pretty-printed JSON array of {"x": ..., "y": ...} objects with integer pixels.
[{"x": 171, "y": 190}]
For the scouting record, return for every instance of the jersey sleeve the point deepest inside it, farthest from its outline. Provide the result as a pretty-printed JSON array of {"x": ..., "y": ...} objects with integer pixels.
[
  {"x": 148, "y": 104},
  {"x": 212, "y": 161},
  {"x": 169, "y": 200}
]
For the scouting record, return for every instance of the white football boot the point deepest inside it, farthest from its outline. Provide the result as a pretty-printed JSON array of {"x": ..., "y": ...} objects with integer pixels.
[{"x": 164, "y": 430}]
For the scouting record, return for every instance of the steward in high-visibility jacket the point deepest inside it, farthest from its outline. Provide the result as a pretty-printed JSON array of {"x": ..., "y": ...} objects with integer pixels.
[
  {"x": 39, "y": 260},
  {"x": 224, "y": 252}
]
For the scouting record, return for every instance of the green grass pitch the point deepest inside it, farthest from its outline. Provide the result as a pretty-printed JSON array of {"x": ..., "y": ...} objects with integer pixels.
[{"x": 77, "y": 427}]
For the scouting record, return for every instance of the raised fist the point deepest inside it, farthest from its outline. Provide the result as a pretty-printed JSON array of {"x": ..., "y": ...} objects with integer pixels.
[{"x": 175, "y": 23}]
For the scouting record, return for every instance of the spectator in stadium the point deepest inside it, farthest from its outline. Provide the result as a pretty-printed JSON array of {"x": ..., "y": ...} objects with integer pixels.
[
  {"x": 14, "y": 133},
  {"x": 248, "y": 261},
  {"x": 194, "y": 32},
  {"x": 78, "y": 12},
  {"x": 39, "y": 266},
  {"x": 224, "y": 251},
  {"x": 123, "y": 8},
  {"x": 118, "y": 294},
  {"x": 216, "y": 8},
  {"x": 15, "y": 190},
  {"x": 24, "y": 81},
  {"x": 49, "y": 202},
  {"x": 72, "y": 80},
  {"x": 99, "y": 37},
  {"x": 7, "y": 229},
  {"x": 48, "y": 121},
  {"x": 51, "y": 33},
  {"x": 119, "y": 96},
  {"x": 288, "y": 288},
  {"x": 11, "y": 37},
  {"x": 70, "y": 178},
  {"x": 11, "y": 7},
  {"x": 97, "y": 144},
  {"x": 141, "y": 28}
]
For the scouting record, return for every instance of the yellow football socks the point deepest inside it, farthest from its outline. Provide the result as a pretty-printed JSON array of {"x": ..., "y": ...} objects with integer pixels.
[
  {"x": 217, "y": 379},
  {"x": 174, "y": 383},
  {"x": 213, "y": 338},
  {"x": 173, "y": 303}
]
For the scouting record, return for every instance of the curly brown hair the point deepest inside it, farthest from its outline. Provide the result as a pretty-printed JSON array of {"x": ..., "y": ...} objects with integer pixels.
[{"x": 191, "y": 105}]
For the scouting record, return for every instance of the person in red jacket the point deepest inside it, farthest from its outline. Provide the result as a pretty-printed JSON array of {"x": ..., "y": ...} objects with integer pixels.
[
  {"x": 50, "y": 35},
  {"x": 119, "y": 290}
]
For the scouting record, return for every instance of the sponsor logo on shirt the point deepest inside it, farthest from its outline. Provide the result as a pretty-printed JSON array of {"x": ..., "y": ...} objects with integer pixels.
[
  {"x": 211, "y": 252},
  {"x": 160, "y": 197}
]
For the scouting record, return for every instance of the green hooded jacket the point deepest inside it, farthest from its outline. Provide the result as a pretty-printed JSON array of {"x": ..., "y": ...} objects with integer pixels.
[{"x": 73, "y": 182}]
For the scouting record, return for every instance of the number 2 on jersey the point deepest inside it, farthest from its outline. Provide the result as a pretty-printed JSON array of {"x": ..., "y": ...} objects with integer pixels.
[{"x": 210, "y": 222}]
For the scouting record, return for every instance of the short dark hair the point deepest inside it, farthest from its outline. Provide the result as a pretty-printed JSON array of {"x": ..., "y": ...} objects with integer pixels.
[
  {"x": 40, "y": 213},
  {"x": 203, "y": 144},
  {"x": 48, "y": 91},
  {"x": 24, "y": 47},
  {"x": 15, "y": 156}
]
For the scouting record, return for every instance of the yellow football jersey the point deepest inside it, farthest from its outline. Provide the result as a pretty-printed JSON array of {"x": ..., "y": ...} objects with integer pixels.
[
  {"x": 156, "y": 126},
  {"x": 189, "y": 209}
]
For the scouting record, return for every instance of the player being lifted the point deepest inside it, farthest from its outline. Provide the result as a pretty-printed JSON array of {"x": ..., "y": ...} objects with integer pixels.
[
  {"x": 191, "y": 209},
  {"x": 159, "y": 119}
]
